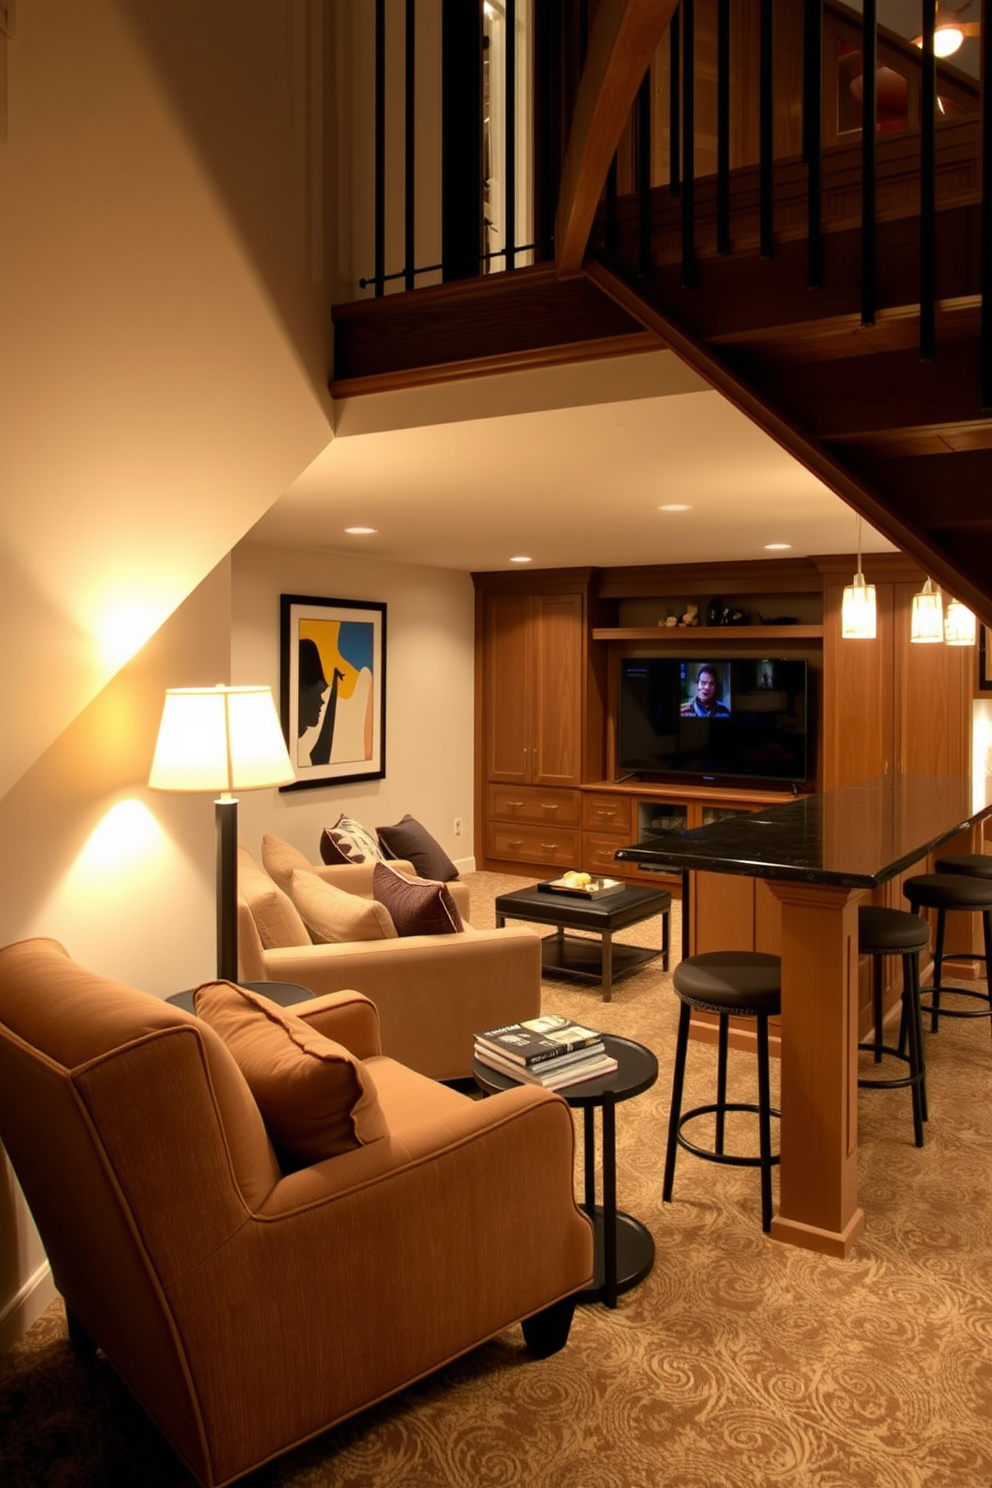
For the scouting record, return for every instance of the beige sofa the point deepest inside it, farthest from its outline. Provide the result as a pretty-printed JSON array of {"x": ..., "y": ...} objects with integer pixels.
[
  {"x": 248, "y": 1308},
  {"x": 433, "y": 992}
]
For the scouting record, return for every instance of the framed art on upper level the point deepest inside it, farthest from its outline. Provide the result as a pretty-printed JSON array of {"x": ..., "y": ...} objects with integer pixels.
[
  {"x": 984, "y": 658},
  {"x": 333, "y": 688}
]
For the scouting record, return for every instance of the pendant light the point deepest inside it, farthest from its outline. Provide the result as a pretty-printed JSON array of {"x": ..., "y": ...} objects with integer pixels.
[
  {"x": 927, "y": 625},
  {"x": 857, "y": 615},
  {"x": 959, "y": 624}
]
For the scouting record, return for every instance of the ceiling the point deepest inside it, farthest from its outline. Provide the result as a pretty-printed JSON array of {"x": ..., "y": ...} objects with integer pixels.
[{"x": 567, "y": 466}]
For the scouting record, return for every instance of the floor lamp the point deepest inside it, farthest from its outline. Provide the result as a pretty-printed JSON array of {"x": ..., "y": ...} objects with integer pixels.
[{"x": 221, "y": 739}]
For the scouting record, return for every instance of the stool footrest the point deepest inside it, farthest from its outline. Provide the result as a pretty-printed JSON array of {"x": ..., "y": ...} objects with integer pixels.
[
  {"x": 953, "y": 1012},
  {"x": 722, "y": 1157},
  {"x": 896, "y": 1083}
]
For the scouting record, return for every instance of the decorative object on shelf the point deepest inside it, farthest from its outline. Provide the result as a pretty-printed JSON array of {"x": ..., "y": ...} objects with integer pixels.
[
  {"x": 690, "y": 615},
  {"x": 959, "y": 624},
  {"x": 333, "y": 688},
  {"x": 734, "y": 617},
  {"x": 857, "y": 615},
  {"x": 221, "y": 739},
  {"x": 927, "y": 624},
  {"x": 714, "y": 612}
]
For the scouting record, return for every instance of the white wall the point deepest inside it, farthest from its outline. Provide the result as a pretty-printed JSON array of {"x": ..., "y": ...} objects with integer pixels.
[{"x": 429, "y": 693}]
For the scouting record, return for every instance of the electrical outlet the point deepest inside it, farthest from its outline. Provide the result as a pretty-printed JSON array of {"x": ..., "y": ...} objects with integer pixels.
[{"x": 458, "y": 826}]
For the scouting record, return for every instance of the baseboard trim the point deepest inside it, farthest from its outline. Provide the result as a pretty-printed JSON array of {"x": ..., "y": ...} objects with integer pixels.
[{"x": 26, "y": 1306}]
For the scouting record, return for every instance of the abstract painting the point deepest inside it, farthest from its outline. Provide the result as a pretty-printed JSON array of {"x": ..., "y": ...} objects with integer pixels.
[{"x": 333, "y": 688}]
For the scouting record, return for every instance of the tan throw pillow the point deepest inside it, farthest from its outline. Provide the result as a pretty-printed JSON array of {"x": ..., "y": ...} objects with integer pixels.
[
  {"x": 332, "y": 915},
  {"x": 348, "y": 842},
  {"x": 280, "y": 859},
  {"x": 276, "y": 917},
  {"x": 317, "y": 1100},
  {"x": 418, "y": 906}
]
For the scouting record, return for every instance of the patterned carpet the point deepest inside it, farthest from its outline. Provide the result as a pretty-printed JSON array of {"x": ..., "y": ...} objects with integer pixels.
[{"x": 738, "y": 1363}]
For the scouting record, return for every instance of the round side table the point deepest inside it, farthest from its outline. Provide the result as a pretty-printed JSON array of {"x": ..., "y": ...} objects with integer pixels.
[{"x": 623, "y": 1247}]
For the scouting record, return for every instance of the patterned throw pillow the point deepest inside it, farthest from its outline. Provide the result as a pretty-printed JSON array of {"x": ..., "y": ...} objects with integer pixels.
[
  {"x": 349, "y": 842},
  {"x": 417, "y": 906}
]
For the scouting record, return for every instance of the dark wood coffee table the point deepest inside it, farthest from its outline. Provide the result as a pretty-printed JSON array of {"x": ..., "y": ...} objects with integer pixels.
[
  {"x": 574, "y": 955},
  {"x": 623, "y": 1248}
]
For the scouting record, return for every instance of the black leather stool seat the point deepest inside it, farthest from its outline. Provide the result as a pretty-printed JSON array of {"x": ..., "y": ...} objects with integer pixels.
[
  {"x": 895, "y": 932},
  {"x": 977, "y": 865},
  {"x": 970, "y": 892},
  {"x": 729, "y": 983}
]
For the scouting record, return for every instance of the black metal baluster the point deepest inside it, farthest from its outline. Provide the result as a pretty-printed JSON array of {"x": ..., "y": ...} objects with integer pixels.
[
  {"x": 986, "y": 255},
  {"x": 379, "y": 185},
  {"x": 813, "y": 141},
  {"x": 410, "y": 111},
  {"x": 510, "y": 137},
  {"x": 765, "y": 128},
  {"x": 688, "y": 143},
  {"x": 674, "y": 105},
  {"x": 928, "y": 208},
  {"x": 869, "y": 136},
  {"x": 723, "y": 127},
  {"x": 644, "y": 174}
]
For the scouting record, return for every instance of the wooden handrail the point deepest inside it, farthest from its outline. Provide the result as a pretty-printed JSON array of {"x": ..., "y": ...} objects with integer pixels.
[{"x": 625, "y": 36}]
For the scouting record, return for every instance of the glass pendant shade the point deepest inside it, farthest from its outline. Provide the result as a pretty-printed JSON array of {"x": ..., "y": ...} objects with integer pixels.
[
  {"x": 959, "y": 624},
  {"x": 927, "y": 624},
  {"x": 857, "y": 616}
]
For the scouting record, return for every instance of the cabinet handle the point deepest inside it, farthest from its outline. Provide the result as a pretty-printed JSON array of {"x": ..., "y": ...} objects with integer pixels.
[
  {"x": 550, "y": 846},
  {"x": 549, "y": 805},
  {"x": 514, "y": 842},
  {"x": 604, "y": 814},
  {"x": 513, "y": 805}
]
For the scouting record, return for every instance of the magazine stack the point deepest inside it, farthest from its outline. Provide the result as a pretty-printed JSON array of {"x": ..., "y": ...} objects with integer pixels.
[{"x": 551, "y": 1051}]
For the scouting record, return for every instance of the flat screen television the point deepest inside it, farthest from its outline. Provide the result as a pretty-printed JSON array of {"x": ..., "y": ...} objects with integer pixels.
[{"x": 722, "y": 718}]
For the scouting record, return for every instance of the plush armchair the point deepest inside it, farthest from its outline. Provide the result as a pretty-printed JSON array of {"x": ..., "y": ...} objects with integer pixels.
[
  {"x": 248, "y": 1307},
  {"x": 434, "y": 993}
]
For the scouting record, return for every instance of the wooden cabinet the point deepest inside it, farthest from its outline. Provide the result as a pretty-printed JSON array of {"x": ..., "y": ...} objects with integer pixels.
[{"x": 533, "y": 688}]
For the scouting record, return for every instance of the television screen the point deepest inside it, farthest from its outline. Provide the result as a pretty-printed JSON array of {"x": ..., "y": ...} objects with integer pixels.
[{"x": 742, "y": 719}]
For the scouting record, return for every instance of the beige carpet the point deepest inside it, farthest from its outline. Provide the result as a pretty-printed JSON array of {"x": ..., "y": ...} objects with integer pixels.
[{"x": 738, "y": 1363}]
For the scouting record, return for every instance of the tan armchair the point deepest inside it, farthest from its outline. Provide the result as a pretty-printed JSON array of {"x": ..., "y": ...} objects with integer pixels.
[
  {"x": 434, "y": 993},
  {"x": 247, "y": 1309}
]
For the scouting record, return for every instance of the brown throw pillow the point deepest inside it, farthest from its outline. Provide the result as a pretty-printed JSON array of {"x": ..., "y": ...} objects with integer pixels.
[
  {"x": 348, "y": 842},
  {"x": 331, "y": 915},
  {"x": 317, "y": 1100},
  {"x": 409, "y": 840},
  {"x": 417, "y": 906}
]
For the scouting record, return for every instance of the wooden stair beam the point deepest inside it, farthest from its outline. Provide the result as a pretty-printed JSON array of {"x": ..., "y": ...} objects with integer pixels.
[
  {"x": 624, "y": 38},
  {"x": 489, "y": 324},
  {"x": 968, "y": 586}
]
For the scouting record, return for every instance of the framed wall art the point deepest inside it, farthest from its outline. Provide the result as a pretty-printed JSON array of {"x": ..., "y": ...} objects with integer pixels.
[
  {"x": 333, "y": 688},
  {"x": 984, "y": 658}
]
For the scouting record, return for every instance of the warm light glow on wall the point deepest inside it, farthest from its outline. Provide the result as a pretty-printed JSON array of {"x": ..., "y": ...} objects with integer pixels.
[
  {"x": 125, "y": 836},
  {"x": 123, "y": 631}
]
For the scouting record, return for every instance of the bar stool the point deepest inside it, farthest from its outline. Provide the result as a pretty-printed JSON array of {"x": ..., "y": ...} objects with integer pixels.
[
  {"x": 728, "y": 983},
  {"x": 946, "y": 892},
  {"x": 893, "y": 932}
]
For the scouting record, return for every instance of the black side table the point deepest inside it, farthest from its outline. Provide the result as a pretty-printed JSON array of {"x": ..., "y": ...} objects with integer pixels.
[
  {"x": 284, "y": 993},
  {"x": 623, "y": 1247}
]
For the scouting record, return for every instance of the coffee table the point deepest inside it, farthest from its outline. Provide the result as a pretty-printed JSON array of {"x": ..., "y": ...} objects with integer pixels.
[
  {"x": 574, "y": 955},
  {"x": 623, "y": 1248}
]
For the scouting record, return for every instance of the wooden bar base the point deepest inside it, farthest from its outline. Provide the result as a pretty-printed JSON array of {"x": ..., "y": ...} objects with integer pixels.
[{"x": 824, "y": 1242}]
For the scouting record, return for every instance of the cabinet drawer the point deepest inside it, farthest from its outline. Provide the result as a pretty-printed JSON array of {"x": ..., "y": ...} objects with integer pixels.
[
  {"x": 534, "y": 804},
  {"x": 533, "y": 844},
  {"x": 598, "y": 849},
  {"x": 606, "y": 813}
]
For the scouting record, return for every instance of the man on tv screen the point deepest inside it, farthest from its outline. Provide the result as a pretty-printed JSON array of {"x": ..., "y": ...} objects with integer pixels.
[{"x": 706, "y": 703}]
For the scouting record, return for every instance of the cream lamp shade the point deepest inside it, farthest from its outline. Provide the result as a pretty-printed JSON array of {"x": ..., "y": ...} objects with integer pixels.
[
  {"x": 959, "y": 624},
  {"x": 219, "y": 739},
  {"x": 927, "y": 622}
]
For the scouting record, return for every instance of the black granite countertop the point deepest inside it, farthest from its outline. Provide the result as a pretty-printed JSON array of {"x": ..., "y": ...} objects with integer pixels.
[{"x": 857, "y": 836}]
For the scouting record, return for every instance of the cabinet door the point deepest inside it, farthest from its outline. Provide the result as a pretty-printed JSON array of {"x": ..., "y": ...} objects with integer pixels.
[
  {"x": 932, "y": 699},
  {"x": 857, "y": 734},
  {"x": 556, "y": 689},
  {"x": 507, "y": 679}
]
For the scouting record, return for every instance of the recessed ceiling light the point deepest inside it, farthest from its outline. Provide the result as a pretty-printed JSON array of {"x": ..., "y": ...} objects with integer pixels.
[
  {"x": 675, "y": 506},
  {"x": 521, "y": 558},
  {"x": 361, "y": 531},
  {"x": 777, "y": 547}
]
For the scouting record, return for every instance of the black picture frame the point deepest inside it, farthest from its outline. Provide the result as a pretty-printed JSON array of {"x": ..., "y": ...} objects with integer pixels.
[
  {"x": 984, "y": 658},
  {"x": 333, "y": 688}
]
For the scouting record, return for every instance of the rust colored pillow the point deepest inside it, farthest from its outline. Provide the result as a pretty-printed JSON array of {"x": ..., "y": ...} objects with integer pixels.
[
  {"x": 317, "y": 1100},
  {"x": 417, "y": 906}
]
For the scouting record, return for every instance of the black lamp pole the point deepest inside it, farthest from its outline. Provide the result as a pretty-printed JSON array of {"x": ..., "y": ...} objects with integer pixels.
[{"x": 226, "y": 817}]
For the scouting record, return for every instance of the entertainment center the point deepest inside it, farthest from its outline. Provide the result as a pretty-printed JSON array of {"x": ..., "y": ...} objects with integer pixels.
[{"x": 556, "y": 651}]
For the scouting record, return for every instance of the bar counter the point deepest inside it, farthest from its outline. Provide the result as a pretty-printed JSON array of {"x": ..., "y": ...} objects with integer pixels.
[{"x": 820, "y": 855}]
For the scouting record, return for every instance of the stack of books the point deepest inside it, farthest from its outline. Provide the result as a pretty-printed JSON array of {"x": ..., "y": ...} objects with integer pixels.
[{"x": 549, "y": 1051}]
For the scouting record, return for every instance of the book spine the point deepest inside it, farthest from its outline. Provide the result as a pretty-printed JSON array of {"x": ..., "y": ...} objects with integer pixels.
[{"x": 567, "y": 1048}]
